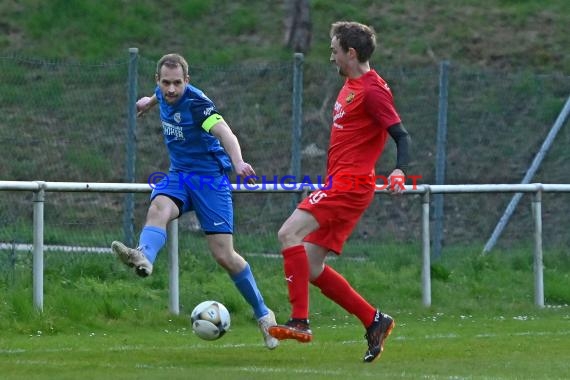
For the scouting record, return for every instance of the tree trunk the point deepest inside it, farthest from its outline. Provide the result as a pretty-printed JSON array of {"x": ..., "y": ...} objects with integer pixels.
[{"x": 298, "y": 26}]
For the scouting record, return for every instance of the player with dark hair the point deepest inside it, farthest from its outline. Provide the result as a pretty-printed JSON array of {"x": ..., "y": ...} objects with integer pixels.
[
  {"x": 364, "y": 115},
  {"x": 202, "y": 149}
]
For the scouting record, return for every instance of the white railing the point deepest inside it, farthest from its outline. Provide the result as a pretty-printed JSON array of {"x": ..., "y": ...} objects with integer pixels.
[{"x": 39, "y": 188}]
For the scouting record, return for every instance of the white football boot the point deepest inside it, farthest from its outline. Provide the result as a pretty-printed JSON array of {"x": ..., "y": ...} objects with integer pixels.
[
  {"x": 265, "y": 323},
  {"x": 133, "y": 258}
]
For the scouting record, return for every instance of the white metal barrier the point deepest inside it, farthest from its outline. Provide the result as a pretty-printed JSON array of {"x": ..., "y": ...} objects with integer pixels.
[{"x": 39, "y": 188}]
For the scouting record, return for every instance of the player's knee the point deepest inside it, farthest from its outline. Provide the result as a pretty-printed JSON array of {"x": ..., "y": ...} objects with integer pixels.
[
  {"x": 158, "y": 214},
  {"x": 285, "y": 236},
  {"x": 281, "y": 234}
]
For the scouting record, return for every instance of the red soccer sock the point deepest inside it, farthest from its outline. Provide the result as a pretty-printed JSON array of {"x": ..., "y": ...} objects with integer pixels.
[
  {"x": 296, "y": 267},
  {"x": 335, "y": 287}
]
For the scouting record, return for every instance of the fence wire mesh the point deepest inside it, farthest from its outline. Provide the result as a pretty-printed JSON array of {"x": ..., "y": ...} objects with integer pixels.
[{"x": 64, "y": 121}]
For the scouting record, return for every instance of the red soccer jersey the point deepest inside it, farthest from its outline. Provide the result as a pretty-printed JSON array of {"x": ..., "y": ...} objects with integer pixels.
[{"x": 363, "y": 112}]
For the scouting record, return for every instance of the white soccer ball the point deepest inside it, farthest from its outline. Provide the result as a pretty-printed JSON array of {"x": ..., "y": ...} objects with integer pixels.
[{"x": 210, "y": 320}]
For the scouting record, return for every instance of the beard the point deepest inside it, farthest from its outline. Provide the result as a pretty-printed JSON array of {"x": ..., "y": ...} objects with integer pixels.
[{"x": 171, "y": 99}]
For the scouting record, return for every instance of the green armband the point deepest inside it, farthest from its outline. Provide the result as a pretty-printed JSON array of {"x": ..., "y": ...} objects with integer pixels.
[{"x": 211, "y": 121}]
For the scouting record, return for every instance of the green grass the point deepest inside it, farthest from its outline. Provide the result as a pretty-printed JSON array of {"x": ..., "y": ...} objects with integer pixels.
[
  {"x": 490, "y": 33},
  {"x": 100, "y": 320},
  {"x": 423, "y": 345},
  {"x": 74, "y": 78}
]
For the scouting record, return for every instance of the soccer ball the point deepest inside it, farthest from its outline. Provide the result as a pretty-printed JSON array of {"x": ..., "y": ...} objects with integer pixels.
[{"x": 210, "y": 320}]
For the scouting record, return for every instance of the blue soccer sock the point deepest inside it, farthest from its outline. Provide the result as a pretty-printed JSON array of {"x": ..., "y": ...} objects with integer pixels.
[
  {"x": 152, "y": 239},
  {"x": 246, "y": 285}
]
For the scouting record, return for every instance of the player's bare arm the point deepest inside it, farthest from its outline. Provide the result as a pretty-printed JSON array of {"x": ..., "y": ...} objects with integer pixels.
[{"x": 230, "y": 143}]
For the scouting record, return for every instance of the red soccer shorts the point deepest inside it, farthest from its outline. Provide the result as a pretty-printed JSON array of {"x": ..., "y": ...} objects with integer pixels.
[{"x": 337, "y": 211}]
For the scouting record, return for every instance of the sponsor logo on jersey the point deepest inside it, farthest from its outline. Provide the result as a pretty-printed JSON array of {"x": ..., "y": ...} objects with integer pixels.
[
  {"x": 172, "y": 130},
  {"x": 208, "y": 111},
  {"x": 337, "y": 106}
]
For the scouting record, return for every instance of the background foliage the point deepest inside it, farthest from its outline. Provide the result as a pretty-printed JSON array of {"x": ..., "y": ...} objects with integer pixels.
[
  {"x": 63, "y": 101},
  {"x": 489, "y": 33},
  {"x": 64, "y": 69}
]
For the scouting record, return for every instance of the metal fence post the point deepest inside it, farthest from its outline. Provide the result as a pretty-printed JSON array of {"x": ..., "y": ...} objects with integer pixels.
[
  {"x": 130, "y": 163},
  {"x": 297, "y": 123},
  {"x": 38, "y": 248},
  {"x": 536, "y": 162},
  {"x": 440, "y": 156},
  {"x": 538, "y": 264},
  {"x": 173, "y": 281},
  {"x": 426, "y": 273}
]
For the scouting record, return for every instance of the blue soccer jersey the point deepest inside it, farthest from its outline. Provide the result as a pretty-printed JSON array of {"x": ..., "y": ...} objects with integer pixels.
[{"x": 186, "y": 128}]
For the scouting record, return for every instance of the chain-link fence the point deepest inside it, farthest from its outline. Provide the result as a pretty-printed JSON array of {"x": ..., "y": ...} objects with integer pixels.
[{"x": 64, "y": 121}]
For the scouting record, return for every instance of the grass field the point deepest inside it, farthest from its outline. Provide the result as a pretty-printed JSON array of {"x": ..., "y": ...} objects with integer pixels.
[
  {"x": 100, "y": 321},
  {"x": 508, "y": 82},
  {"x": 422, "y": 346},
  {"x": 491, "y": 33}
]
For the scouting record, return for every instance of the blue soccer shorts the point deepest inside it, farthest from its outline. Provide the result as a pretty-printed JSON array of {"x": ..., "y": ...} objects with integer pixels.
[{"x": 210, "y": 196}]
